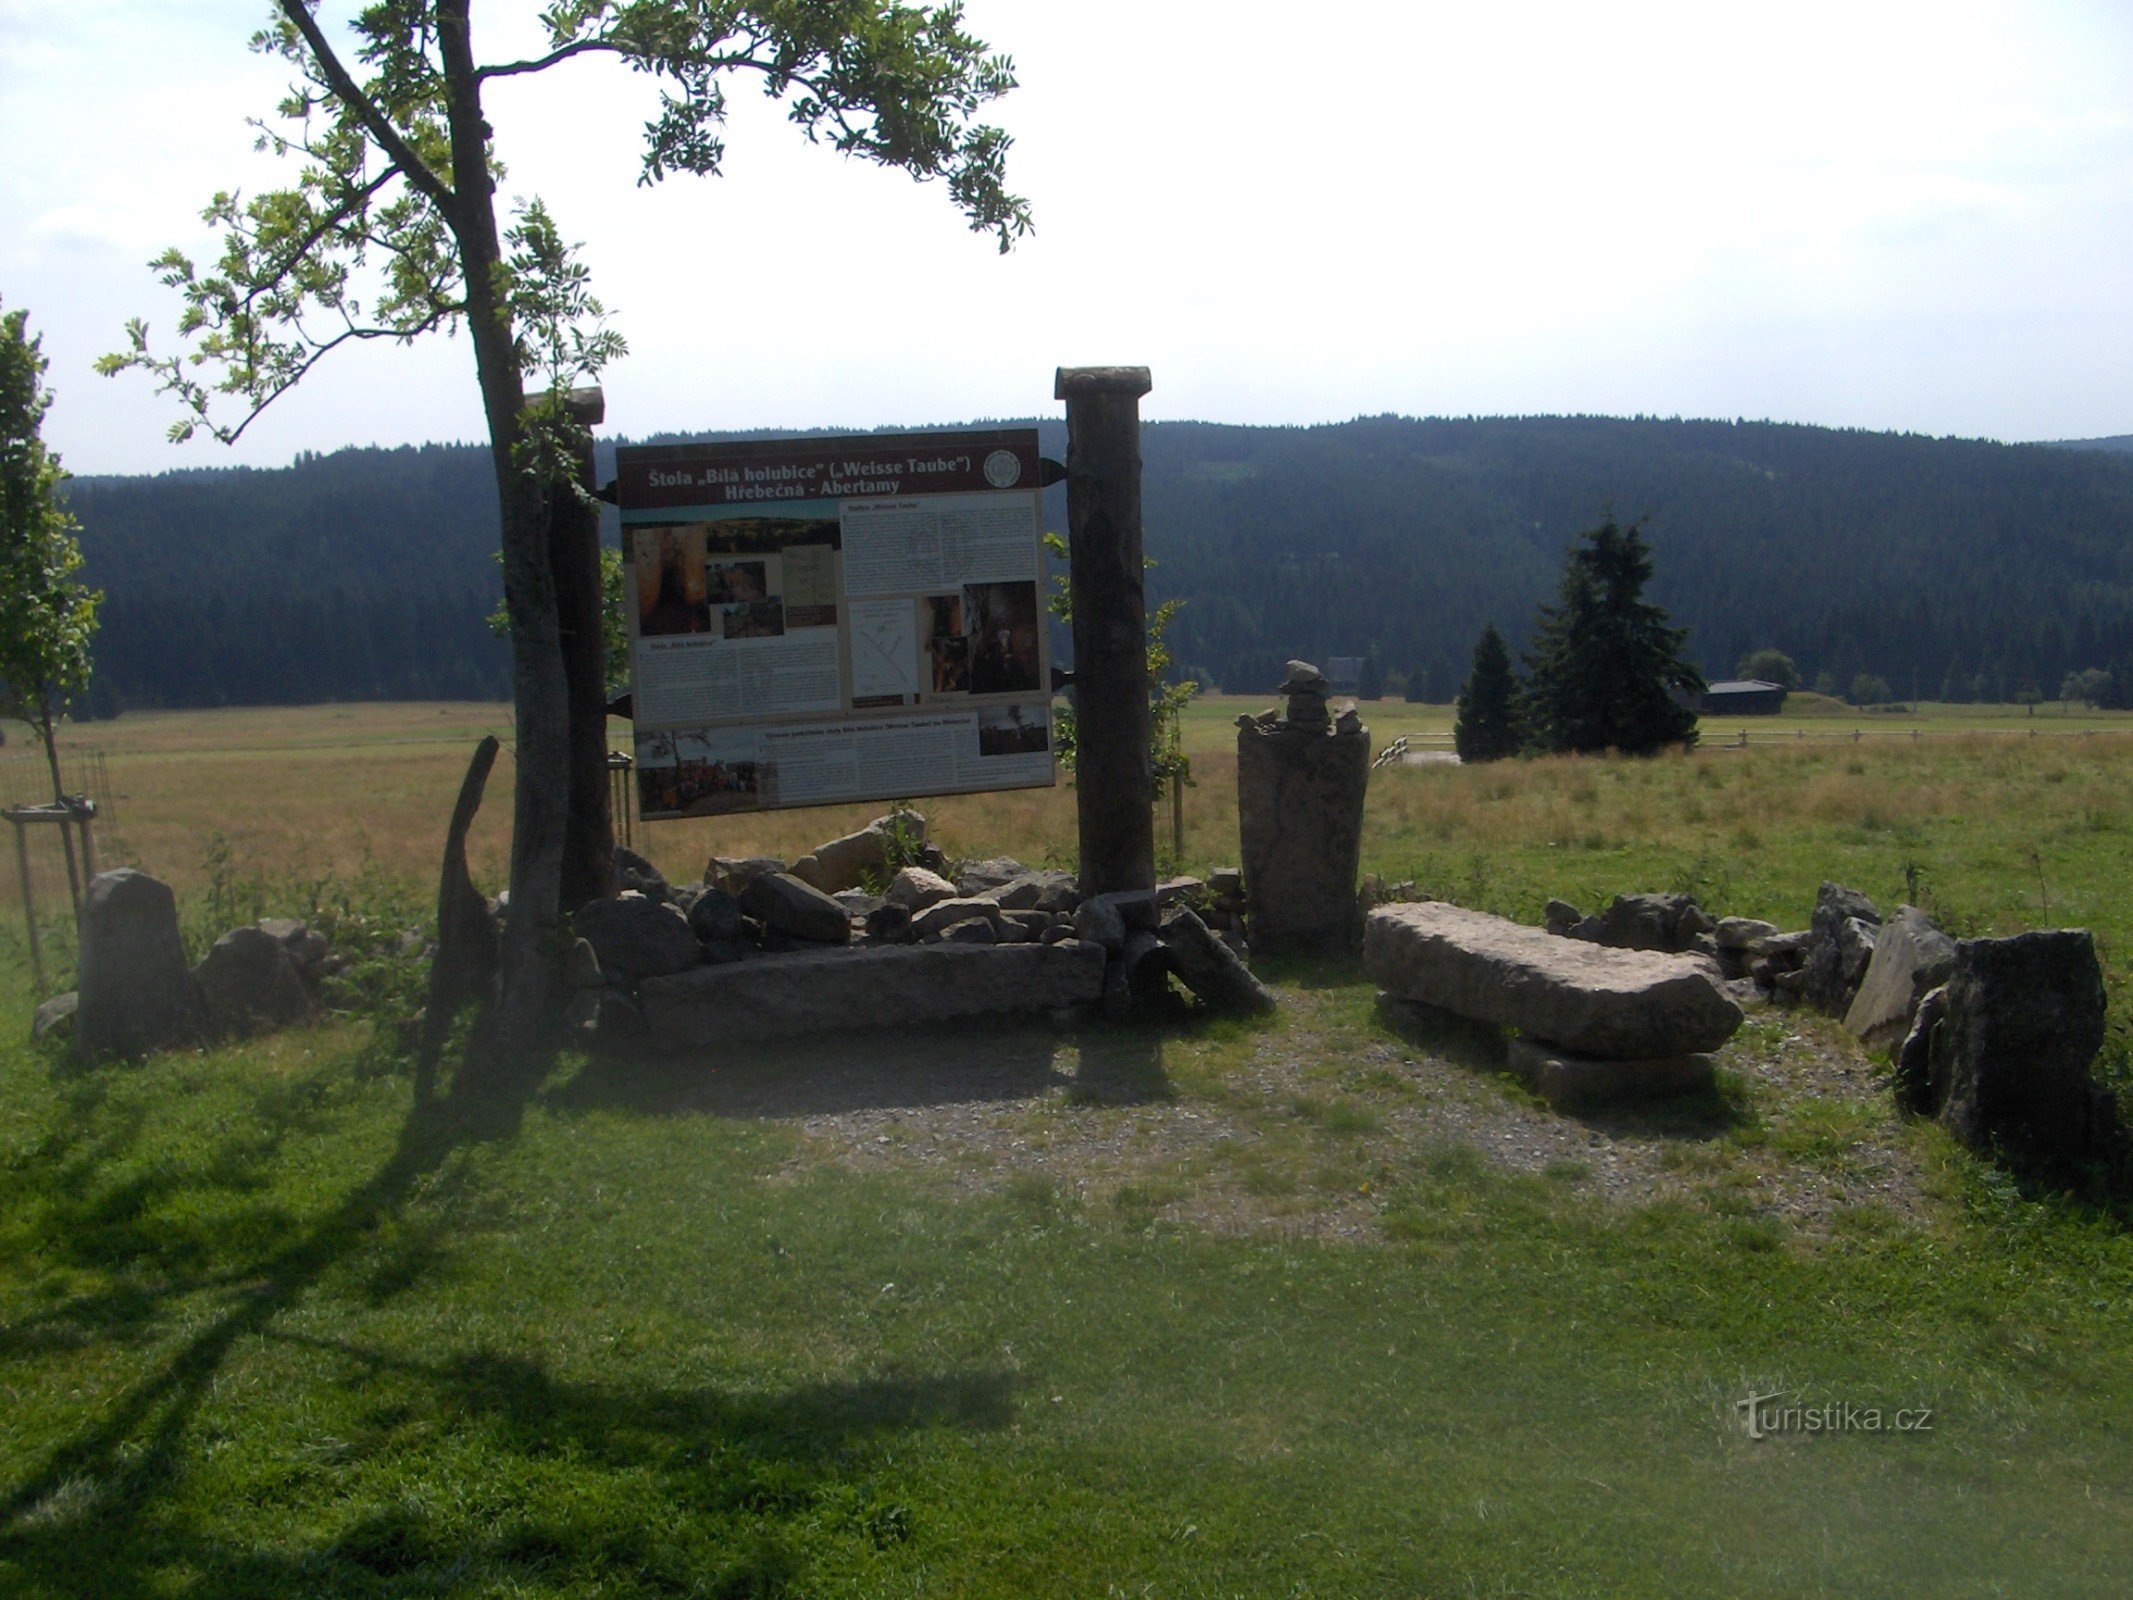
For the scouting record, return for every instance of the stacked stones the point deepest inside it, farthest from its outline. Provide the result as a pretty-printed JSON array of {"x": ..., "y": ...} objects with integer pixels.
[
  {"x": 1301, "y": 774},
  {"x": 137, "y": 995},
  {"x": 1673, "y": 923},
  {"x": 1596, "y": 1022},
  {"x": 689, "y": 964}
]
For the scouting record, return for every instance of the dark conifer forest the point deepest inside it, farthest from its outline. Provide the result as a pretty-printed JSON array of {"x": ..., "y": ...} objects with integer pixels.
[{"x": 1954, "y": 569}]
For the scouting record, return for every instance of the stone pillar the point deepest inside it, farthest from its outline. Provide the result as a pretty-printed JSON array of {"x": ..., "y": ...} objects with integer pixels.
[
  {"x": 136, "y": 994},
  {"x": 574, "y": 556},
  {"x": 1114, "y": 772},
  {"x": 1300, "y": 783}
]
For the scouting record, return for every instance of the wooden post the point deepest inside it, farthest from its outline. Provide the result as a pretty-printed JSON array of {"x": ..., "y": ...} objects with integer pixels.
[
  {"x": 574, "y": 556},
  {"x": 29, "y": 905},
  {"x": 1113, "y": 770}
]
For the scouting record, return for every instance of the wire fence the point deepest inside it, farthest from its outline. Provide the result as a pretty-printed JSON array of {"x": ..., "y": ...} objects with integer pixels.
[{"x": 1744, "y": 738}]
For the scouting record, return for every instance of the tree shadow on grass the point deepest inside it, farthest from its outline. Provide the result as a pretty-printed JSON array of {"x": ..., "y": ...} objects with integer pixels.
[{"x": 101, "y": 1512}]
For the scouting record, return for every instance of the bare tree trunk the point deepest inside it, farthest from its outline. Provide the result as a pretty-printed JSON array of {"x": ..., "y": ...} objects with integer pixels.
[
  {"x": 574, "y": 558},
  {"x": 59, "y": 793},
  {"x": 541, "y": 788}
]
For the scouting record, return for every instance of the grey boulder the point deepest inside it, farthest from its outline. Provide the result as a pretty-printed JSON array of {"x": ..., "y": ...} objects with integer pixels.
[
  {"x": 1210, "y": 969},
  {"x": 915, "y": 888},
  {"x": 1840, "y": 943},
  {"x": 782, "y": 902},
  {"x": 2002, "y": 1053},
  {"x": 636, "y": 938},
  {"x": 251, "y": 986},
  {"x": 135, "y": 992}
]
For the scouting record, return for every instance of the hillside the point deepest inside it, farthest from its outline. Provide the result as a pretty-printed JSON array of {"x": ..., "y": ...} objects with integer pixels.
[{"x": 1958, "y": 567}]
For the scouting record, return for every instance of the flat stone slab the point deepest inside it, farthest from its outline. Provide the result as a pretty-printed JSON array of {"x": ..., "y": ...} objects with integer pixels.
[
  {"x": 1562, "y": 1077},
  {"x": 887, "y": 986},
  {"x": 1911, "y": 958},
  {"x": 1590, "y": 999}
]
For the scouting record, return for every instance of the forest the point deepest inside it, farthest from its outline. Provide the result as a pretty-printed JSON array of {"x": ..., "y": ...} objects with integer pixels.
[{"x": 1953, "y": 569}]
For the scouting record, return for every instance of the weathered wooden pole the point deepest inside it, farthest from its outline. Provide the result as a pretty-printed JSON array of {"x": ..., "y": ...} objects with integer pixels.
[
  {"x": 574, "y": 556},
  {"x": 1113, "y": 770}
]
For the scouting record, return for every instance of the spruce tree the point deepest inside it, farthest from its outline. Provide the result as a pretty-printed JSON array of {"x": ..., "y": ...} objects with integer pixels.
[
  {"x": 1605, "y": 668},
  {"x": 1487, "y": 725}
]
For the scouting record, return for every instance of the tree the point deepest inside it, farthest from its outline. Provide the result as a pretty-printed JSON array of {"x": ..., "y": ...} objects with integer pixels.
[
  {"x": 1770, "y": 666},
  {"x": 2091, "y": 686},
  {"x": 391, "y": 231},
  {"x": 1486, "y": 728},
  {"x": 1869, "y": 689},
  {"x": 1605, "y": 669},
  {"x": 46, "y": 618},
  {"x": 1370, "y": 681}
]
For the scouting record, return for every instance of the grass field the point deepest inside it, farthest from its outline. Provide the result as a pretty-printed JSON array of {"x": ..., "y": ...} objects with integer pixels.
[{"x": 1318, "y": 1307}]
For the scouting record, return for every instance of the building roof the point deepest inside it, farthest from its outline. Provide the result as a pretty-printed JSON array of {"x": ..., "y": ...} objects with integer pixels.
[{"x": 1743, "y": 686}]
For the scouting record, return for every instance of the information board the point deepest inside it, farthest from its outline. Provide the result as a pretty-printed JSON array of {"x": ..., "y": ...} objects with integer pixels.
[{"x": 836, "y": 618}]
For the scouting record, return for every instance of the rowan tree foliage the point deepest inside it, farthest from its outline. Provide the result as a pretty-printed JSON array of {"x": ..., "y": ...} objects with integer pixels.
[
  {"x": 1486, "y": 728},
  {"x": 390, "y": 229},
  {"x": 1605, "y": 668},
  {"x": 46, "y": 618}
]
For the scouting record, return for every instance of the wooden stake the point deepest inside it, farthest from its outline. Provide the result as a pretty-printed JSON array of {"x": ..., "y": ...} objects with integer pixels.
[{"x": 29, "y": 907}]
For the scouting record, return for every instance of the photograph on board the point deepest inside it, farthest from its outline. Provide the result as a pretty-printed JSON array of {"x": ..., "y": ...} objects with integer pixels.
[
  {"x": 754, "y": 619},
  {"x": 732, "y": 582},
  {"x": 677, "y": 772},
  {"x": 1001, "y": 633},
  {"x": 672, "y": 593},
  {"x": 1017, "y": 730},
  {"x": 946, "y": 648}
]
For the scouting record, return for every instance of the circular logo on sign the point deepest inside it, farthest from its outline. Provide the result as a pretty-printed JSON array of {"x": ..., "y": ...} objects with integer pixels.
[{"x": 1002, "y": 469}]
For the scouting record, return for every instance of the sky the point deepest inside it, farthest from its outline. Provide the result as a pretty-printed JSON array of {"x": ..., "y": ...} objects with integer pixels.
[{"x": 1873, "y": 214}]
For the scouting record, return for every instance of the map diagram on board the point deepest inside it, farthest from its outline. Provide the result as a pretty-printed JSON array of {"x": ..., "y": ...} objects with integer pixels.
[{"x": 884, "y": 636}]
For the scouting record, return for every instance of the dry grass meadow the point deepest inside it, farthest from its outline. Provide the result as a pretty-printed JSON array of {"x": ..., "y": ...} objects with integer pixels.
[{"x": 1998, "y": 819}]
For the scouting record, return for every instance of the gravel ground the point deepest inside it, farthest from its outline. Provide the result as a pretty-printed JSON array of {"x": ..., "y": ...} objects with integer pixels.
[{"x": 1298, "y": 1128}]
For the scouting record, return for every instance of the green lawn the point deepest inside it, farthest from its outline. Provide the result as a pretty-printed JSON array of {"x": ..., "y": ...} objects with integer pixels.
[
  {"x": 724, "y": 1328},
  {"x": 260, "y": 1334}
]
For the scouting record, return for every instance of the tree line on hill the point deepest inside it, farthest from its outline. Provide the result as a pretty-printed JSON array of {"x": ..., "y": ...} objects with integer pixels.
[{"x": 1949, "y": 569}]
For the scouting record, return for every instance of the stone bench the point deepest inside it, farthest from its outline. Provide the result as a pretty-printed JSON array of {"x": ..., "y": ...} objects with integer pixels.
[{"x": 1596, "y": 1022}]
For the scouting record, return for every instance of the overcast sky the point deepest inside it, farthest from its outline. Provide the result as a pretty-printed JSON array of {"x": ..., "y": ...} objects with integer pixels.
[{"x": 1867, "y": 214}]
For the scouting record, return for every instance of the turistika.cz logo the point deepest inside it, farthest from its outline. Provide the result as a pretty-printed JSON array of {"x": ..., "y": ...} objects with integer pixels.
[{"x": 1766, "y": 1415}]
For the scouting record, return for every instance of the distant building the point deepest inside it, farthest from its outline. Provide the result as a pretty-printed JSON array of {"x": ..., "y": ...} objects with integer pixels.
[{"x": 1742, "y": 697}]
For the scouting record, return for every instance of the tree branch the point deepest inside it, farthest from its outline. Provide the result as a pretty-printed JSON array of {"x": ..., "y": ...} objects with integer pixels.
[
  {"x": 380, "y": 127},
  {"x": 512, "y": 69}
]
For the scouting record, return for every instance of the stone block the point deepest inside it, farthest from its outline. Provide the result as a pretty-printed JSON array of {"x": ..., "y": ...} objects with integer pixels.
[{"x": 1587, "y": 998}]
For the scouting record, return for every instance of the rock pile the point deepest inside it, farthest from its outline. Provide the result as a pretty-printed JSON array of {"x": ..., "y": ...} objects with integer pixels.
[
  {"x": 1300, "y": 782},
  {"x": 1596, "y": 1022},
  {"x": 1673, "y": 923},
  {"x": 137, "y": 995},
  {"x": 753, "y": 950}
]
